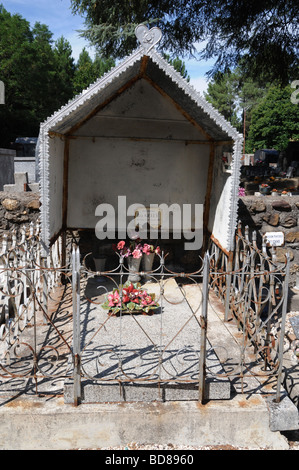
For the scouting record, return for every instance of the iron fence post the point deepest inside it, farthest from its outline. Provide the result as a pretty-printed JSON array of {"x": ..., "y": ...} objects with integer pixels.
[
  {"x": 228, "y": 284},
  {"x": 76, "y": 323},
  {"x": 282, "y": 329},
  {"x": 45, "y": 289},
  {"x": 203, "y": 338}
]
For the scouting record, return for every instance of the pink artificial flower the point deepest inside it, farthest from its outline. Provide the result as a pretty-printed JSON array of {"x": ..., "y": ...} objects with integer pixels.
[
  {"x": 146, "y": 249},
  {"x": 136, "y": 253},
  {"x": 120, "y": 245}
]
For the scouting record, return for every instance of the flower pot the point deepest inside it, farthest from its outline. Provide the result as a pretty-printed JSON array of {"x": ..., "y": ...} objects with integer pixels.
[
  {"x": 100, "y": 265},
  {"x": 147, "y": 263},
  {"x": 265, "y": 189},
  {"x": 133, "y": 266}
]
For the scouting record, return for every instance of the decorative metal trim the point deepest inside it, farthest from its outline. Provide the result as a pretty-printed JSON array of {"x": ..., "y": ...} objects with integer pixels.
[{"x": 148, "y": 38}]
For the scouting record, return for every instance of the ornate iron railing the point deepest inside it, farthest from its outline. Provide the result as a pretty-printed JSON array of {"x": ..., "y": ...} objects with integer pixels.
[
  {"x": 53, "y": 332},
  {"x": 127, "y": 345},
  {"x": 254, "y": 290},
  {"x": 27, "y": 282}
]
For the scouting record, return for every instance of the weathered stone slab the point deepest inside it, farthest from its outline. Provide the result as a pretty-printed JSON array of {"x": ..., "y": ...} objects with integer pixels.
[
  {"x": 281, "y": 205},
  {"x": 295, "y": 325}
]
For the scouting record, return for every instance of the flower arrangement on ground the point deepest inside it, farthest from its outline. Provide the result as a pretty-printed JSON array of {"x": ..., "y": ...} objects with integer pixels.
[
  {"x": 264, "y": 188},
  {"x": 130, "y": 298}
]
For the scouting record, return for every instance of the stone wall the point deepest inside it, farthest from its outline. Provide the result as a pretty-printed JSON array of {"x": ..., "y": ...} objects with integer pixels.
[
  {"x": 18, "y": 209},
  {"x": 274, "y": 214}
]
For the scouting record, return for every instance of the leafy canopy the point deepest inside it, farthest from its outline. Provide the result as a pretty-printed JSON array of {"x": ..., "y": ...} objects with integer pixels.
[
  {"x": 275, "y": 122},
  {"x": 264, "y": 33}
]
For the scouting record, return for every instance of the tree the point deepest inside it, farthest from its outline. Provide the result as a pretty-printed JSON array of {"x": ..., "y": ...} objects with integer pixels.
[
  {"x": 222, "y": 94},
  {"x": 264, "y": 33},
  {"x": 37, "y": 76},
  {"x": 234, "y": 94},
  {"x": 15, "y": 64},
  {"x": 88, "y": 71},
  {"x": 275, "y": 122},
  {"x": 64, "y": 70},
  {"x": 102, "y": 65},
  {"x": 178, "y": 65}
]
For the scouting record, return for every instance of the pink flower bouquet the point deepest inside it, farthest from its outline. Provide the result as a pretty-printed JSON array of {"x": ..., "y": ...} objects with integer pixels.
[
  {"x": 147, "y": 249},
  {"x": 134, "y": 249}
]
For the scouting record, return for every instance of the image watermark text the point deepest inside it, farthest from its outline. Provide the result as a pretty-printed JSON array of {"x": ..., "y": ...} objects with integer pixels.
[{"x": 156, "y": 221}]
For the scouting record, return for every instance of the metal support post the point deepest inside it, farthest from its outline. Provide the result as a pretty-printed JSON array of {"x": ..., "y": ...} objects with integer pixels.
[
  {"x": 76, "y": 323},
  {"x": 228, "y": 284},
  {"x": 282, "y": 330},
  {"x": 203, "y": 338},
  {"x": 45, "y": 289}
]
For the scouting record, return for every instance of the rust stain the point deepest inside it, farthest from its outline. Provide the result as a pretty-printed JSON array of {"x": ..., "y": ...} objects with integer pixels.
[
  {"x": 248, "y": 403},
  {"x": 243, "y": 404},
  {"x": 202, "y": 406},
  {"x": 25, "y": 404}
]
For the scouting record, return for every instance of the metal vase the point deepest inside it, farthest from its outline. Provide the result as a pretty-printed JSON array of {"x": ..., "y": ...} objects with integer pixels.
[
  {"x": 147, "y": 263},
  {"x": 134, "y": 265}
]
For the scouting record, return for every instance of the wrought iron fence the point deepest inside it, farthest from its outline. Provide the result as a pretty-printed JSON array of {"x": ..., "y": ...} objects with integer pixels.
[
  {"x": 143, "y": 329},
  {"x": 254, "y": 290},
  {"x": 27, "y": 281},
  {"x": 86, "y": 330}
]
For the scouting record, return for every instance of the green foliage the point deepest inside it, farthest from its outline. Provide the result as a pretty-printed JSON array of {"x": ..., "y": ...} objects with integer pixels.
[
  {"x": 178, "y": 65},
  {"x": 64, "y": 70},
  {"x": 222, "y": 94},
  {"x": 263, "y": 33},
  {"x": 88, "y": 71},
  {"x": 35, "y": 75},
  {"x": 232, "y": 94},
  {"x": 39, "y": 76},
  {"x": 275, "y": 121}
]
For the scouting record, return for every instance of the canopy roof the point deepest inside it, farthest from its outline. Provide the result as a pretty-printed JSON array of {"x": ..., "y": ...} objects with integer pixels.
[
  {"x": 144, "y": 63},
  {"x": 151, "y": 66}
]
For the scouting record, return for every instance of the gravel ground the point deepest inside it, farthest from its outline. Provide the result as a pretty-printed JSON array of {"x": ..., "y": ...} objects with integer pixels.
[
  {"x": 157, "y": 447},
  {"x": 292, "y": 437}
]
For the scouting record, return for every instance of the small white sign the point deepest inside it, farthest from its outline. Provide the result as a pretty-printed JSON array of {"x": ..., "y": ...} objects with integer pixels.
[
  {"x": 150, "y": 216},
  {"x": 274, "y": 238}
]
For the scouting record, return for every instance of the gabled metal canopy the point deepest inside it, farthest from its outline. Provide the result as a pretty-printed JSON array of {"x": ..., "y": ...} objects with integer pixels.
[{"x": 147, "y": 64}]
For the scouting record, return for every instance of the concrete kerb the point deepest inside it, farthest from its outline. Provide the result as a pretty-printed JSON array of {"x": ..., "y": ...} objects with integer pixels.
[{"x": 41, "y": 424}]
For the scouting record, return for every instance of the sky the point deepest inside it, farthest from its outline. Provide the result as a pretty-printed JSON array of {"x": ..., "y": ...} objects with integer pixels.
[{"x": 57, "y": 15}]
